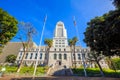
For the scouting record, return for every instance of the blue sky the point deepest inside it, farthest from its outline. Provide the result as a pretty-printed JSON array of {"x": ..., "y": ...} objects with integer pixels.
[{"x": 34, "y": 11}]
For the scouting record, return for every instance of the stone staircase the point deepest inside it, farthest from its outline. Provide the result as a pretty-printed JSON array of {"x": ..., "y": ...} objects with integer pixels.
[{"x": 59, "y": 71}]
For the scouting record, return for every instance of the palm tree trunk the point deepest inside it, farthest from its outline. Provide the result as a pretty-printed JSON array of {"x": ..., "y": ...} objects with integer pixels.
[
  {"x": 48, "y": 50},
  {"x": 71, "y": 55},
  {"x": 74, "y": 57}
]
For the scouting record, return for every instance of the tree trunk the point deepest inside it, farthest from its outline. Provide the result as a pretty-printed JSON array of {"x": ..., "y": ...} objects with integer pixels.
[
  {"x": 71, "y": 55},
  {"x": 112, "y": 64},
  {"x": 74, "y": 57},
  {"x": 101, "y": 70},
  {"x": 21, "y": 61},
  {"x": 48, "y": 50}
]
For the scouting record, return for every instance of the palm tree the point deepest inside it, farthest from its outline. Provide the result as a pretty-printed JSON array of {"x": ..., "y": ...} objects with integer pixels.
[
  {"x": 74, "y": 40},
  {"x": 49, "y": 43},
  {"x": 70, "y": 43}
]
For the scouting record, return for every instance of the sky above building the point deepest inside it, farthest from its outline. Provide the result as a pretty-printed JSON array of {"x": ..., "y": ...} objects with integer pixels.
[{"x": 34, "y": 11}]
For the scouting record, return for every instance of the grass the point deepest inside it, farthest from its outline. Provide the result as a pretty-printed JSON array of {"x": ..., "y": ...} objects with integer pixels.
[
  {"x": 25, "y": 70},
  {"x": 95, "y": 72}
]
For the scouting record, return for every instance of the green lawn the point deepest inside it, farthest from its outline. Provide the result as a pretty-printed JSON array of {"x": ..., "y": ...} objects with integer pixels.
[{"x": 25, "y": 70}]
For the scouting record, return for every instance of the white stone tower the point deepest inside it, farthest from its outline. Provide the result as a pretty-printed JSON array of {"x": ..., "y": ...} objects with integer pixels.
[{"x": 60, "y": 36}]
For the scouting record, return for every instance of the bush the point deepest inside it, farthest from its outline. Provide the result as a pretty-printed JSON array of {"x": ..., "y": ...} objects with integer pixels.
[{"x": 116, "y": 62}]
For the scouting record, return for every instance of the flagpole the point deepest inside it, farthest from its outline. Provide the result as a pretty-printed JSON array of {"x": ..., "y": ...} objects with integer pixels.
[
  {"x": 74, "y": 21},
  {"x": 39, "y": 47}
]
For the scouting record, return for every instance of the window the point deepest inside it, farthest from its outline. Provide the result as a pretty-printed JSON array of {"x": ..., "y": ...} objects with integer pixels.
[
  {"x": 26, "y": 56},
  {"x": 79, "y": 56},
  {"x": 55, "y": 56},
  {"x": 64, "y": 49},
  {"x": 36, "y": 56},
  {"x": 83, "y": 56},
  {"x": 37, "y": 49},
  {"x": 60, "y": 56},
  {"x": 20, "y": 55},
  {"x": 31, "y": 55},
  {"x": 41, "y": 49},
  {"x": 56, "y": 45},
  {"x": 65, "y": 56},
  {"x": 55, "y": 49},
  {"x": 77, "y": 50},
  {"x": 40, "y": 55},
  {"x": 59, "y": 49}
]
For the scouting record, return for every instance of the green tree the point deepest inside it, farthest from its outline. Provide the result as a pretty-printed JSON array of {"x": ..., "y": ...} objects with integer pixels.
[
  {"x": 8, "y": 27},
  {"x": 117, "y": 3},
  {"x": 11, "y": 58},
  {"x": 102, "y": 34},
  {"x": 49, "y": 43}
]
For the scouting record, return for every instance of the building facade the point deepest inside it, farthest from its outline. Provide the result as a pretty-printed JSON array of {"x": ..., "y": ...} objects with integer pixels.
[{"x": 60, "y": 53}]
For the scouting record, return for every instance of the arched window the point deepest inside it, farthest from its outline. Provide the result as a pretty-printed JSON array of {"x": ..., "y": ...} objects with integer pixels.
[
  {"x": 79, "y": 56},
  {"x": 36, "y": 56},
  {"x": 65, "y": 56},
  {"x": 83, "y": 56},
  {"x": 60, "y": 56},
  {"x": 55, "y": 56},
  {"x": 26, "y": 56},
  {"x": 41, "y": 55},
  {"x": 31, "y": 55}
]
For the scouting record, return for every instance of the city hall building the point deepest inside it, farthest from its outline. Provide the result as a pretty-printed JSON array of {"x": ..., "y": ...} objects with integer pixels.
[{"x": 60, "y": 53}]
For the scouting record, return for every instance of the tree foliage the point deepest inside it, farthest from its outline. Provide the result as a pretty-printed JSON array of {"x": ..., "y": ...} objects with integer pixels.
[
  {"x": 11, "y": 58},
  {"x": 117, "y": 3},
  {"x": 8, "y": 27},
  {"x": 49, "y": 42},
  {"x": 102, "y": 33}
]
